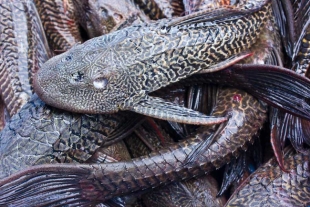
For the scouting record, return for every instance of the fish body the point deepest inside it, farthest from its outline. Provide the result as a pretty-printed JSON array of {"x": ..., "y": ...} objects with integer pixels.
[
  {"x": 40, "y": 134},
  {"x": 60, "y": 23},
  {"x": 23, "y": 49},
  {"x": 101, "y": 17},
  {"x": 270, "y": 186},
  {"x": 93, "y": 183},
  {"x": 117, "y": 71}
]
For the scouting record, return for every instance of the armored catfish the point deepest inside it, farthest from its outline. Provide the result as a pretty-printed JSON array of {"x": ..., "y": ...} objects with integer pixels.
[{"x": 117, "y": 71}]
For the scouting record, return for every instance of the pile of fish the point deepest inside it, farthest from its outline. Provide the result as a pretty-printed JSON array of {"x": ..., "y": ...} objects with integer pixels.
[{"x": 154, "y": 103}]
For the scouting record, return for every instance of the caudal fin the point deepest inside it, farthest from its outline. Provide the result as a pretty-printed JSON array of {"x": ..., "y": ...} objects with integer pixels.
[{"x": 53, "y": 185}]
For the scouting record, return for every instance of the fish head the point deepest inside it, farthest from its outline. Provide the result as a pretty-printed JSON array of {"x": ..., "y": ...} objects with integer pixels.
[
  {"x": 81, "y": 80},
  {"x": 105, "y": 16}
]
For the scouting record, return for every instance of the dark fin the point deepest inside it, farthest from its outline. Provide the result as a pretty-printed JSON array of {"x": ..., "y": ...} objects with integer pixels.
[
  {"x": 284, "y": 16},
  {"x": 233, "y": 171},
  {"x": 150, "y": 8},
  {"x": 279, "y": 87},
  {"x": 301, "y": 9},
  {"x": 178, "y": 129},
  {"x": 101, "y": 157},
  {"x": 125, "y": 129},
  {"x": 226, "y": 63},
  {"x": 297, "y": 130},
  {"x": 200, "y": 98},
  {"x": 274, "y": 58},
  {"x": 222, "y": 14},
  {"x": 202, "y": 147},
  {"x": 301, "y": 50},
  {"x": 143, "y": 138},
  {"x": 276, "y": 147},
  {"x": 158, "y": 108},
  {"x": 209, "y": 95},
  {"x": 158, "y": 132},
  {"x": 47, "y": 185},
  {"x": 113, "y": 153},
  {"x": 277, "y": 136}
]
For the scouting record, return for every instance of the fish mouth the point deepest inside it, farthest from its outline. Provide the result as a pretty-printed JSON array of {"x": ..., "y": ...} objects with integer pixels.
[{"x": 46, "y": 96}]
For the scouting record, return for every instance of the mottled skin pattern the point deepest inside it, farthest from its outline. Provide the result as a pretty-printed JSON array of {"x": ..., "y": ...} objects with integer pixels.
[
  {"x": 170, "y": 8},
  {"x": 96, "y": 183},
  {"x": 200, "y": 191},
  {"x": 145, "y": 140},
  {"x": 117, "y": 71},
  {"x": 199, "y": 5},
  {"x": 112, "y": 153},
  {"x": 60, "y": 26},
  {"x": 150, "y": 8},
  {"x": 301, "y": 52},
  {"x": 195, "y": 192},
  {"x": 40, "y": 134},
  {"x": 297, "y": 16},
  {"x": 104, "y": 16},
  {"x": 277, "y": 187},
  {"x": 23, "y": 49}
]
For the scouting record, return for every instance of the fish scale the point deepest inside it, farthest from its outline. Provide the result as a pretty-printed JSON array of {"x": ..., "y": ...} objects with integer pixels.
[
  {"x": 127, "y": 65},
  {"x": 22, "y": 52},
  {"x": 60, "y": 24},
  {"x": 96, "y": 183}
]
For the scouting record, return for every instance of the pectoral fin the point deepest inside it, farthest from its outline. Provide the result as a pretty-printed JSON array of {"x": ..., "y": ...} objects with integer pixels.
[
  {"x": 158, "y": 108},
  {"x": 226, "y": 63}
]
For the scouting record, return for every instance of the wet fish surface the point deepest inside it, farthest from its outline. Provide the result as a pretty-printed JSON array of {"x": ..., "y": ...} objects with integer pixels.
[
  {"x": 24, "y": 49},
  {"x": 118, "y": 70}
]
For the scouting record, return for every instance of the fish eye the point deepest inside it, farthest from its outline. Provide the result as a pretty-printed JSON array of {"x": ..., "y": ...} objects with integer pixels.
[{"x": 100, "y": 83}]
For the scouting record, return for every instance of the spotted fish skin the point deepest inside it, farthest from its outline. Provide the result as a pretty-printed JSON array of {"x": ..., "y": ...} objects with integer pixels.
[
  {"x": 96, "y": 183},
  {"x": 101, "y": 17},
  {"x": 116, "y": 71},
  {"x": 59, "y": 23},
  {"x": 40, "y": 134},
  {"x": 270, "y": 186},
  {"x": 23, "y": 49}
]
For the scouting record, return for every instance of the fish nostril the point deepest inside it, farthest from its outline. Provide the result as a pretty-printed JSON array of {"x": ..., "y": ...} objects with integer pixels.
[{"x": 78, "y": 77}]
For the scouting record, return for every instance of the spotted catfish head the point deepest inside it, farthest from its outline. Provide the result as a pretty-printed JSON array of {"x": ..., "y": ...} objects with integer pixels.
[{"x": 81, "y": 80}]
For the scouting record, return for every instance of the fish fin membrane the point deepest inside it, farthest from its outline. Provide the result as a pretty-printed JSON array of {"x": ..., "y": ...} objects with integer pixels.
[
  {"x": 275, "y": 140},
  {"x": 226, "y": 63},
  {"x": 125, "y": 129},
  {"x": 160, "y": 109},
  {"x": 284, "y": 16},
  {"x": 297, "y": 130},
  {"x": 209, "y": 16},
  {"x": 203, "y": 146},
  {"x": 45, "y": 185},
  {"x": 233, "y": 171},
  {"x": 279, "y": 87}
]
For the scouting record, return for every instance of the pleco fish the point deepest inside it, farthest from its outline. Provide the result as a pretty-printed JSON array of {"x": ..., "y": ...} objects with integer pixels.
[{"x": 117, "y": 71}]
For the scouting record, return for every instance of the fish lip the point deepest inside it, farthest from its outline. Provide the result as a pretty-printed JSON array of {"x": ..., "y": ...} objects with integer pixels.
[{"x": 48, "y": 99}]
